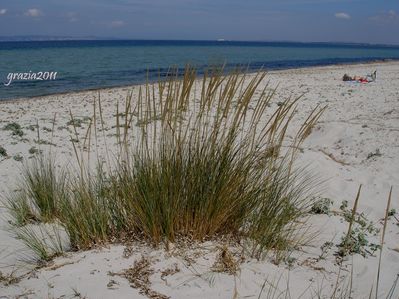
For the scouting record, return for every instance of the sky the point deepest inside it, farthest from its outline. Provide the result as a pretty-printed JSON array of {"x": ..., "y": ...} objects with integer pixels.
[{"x": 364, "y": 21}]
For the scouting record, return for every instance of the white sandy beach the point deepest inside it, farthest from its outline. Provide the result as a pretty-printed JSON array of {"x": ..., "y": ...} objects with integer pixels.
[{"x": 355, "y": 142}]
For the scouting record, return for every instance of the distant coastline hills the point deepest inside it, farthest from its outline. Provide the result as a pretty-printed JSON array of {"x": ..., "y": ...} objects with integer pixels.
[
  {"x": 28, "y": 38},
  {"x": 38, "y": 38}
]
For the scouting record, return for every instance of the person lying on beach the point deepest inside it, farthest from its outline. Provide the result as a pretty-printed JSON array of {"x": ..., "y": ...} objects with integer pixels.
[{"x": 367, "y": 79}]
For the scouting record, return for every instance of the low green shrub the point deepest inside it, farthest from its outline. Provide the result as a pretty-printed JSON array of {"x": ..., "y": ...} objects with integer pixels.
[
  {"x": 3, "y": 152},
  {"x": 322, "y": 206},
  {"x": 15, "y": 129}
]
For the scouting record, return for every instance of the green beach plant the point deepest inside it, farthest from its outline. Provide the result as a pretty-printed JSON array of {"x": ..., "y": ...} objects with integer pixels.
[
  {"x": 212, "y": 166},
  {"x": 20, "y": 209},
  {"x": 42, "y": 187},
  {"x": 18, "y": 157},
  {"x": 3, "y": 152},
  {"x": 44, "y": 240},
  {"x": 322, "y": 206},
  {"x": 15, "y": 129},
  {"x": 360, "y": 229},
  {"x": 86, "y": 214}
]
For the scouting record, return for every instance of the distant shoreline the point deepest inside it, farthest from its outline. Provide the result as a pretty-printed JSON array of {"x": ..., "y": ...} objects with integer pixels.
[
  {"x": 17, "y": 39},
  {"x": 102, "y": 89}
]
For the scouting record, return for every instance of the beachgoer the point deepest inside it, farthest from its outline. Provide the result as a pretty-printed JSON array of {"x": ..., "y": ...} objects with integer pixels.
[
  {"x": 347, "y": 78},
  {"x": 367, "y": 79},
  {"x": 372, "y": 76}
]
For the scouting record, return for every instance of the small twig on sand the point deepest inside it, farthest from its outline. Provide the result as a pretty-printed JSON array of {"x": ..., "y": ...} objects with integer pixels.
[{"x": 331, "y": 156}]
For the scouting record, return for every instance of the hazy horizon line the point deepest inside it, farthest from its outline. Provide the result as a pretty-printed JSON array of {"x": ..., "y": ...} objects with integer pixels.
[{"x": 38, "y": 37}]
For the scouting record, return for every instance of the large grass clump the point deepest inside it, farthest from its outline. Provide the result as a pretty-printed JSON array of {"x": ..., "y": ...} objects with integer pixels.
[{"x": 196, "y": 159}]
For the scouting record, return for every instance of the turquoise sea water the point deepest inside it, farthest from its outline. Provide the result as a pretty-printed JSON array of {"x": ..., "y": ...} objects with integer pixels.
[{"x": 84, "y": 65}]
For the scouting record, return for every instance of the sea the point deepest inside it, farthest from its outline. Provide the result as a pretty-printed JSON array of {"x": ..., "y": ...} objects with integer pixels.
[{"x": 92, "y": 64}]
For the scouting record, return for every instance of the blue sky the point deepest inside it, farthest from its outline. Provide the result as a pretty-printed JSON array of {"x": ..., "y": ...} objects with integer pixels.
[{"x": 296, "y": 20}]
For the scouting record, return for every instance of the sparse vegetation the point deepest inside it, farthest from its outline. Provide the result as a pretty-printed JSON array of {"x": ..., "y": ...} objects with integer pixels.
[
  {"x": 9, "y": 279},
  {"x": 18, "y": 157},
  {"x": 325, "y": 248},
  {"x": 44, "y": 142},
  {"x": 357, "y": 239},
  {"x": 377, "y": 153},
  {"x": 33, "y": 150},
  {"x": 40, "y": 191},
  {"x": 225, "y": 262},
  {"x": 15, "y": 129},
  {"x": 78, "y": 122},
  {"x": 3, "y": 152},
  {"x": 139, "y": 278},
  {"x": 20, "y": 209},
  {"x": 322, "y": 206},
  {"x": 32, "y": 127},
  {"x": 357, "y": 243},
  {"x": 43, "y": 240},
  {"x": 75, "y": 122}
]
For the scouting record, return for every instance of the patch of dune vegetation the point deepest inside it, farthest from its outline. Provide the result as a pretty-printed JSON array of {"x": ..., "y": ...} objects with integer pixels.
[{"x": 210, "y": 158}]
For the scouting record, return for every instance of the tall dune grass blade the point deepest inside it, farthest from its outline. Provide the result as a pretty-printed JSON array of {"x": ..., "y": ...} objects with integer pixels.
[{"x": 382, "y": 240}]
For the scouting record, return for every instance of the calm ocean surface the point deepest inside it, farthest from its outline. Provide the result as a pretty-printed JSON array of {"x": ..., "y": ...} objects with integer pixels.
[{"x": 84, "y": 65}]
